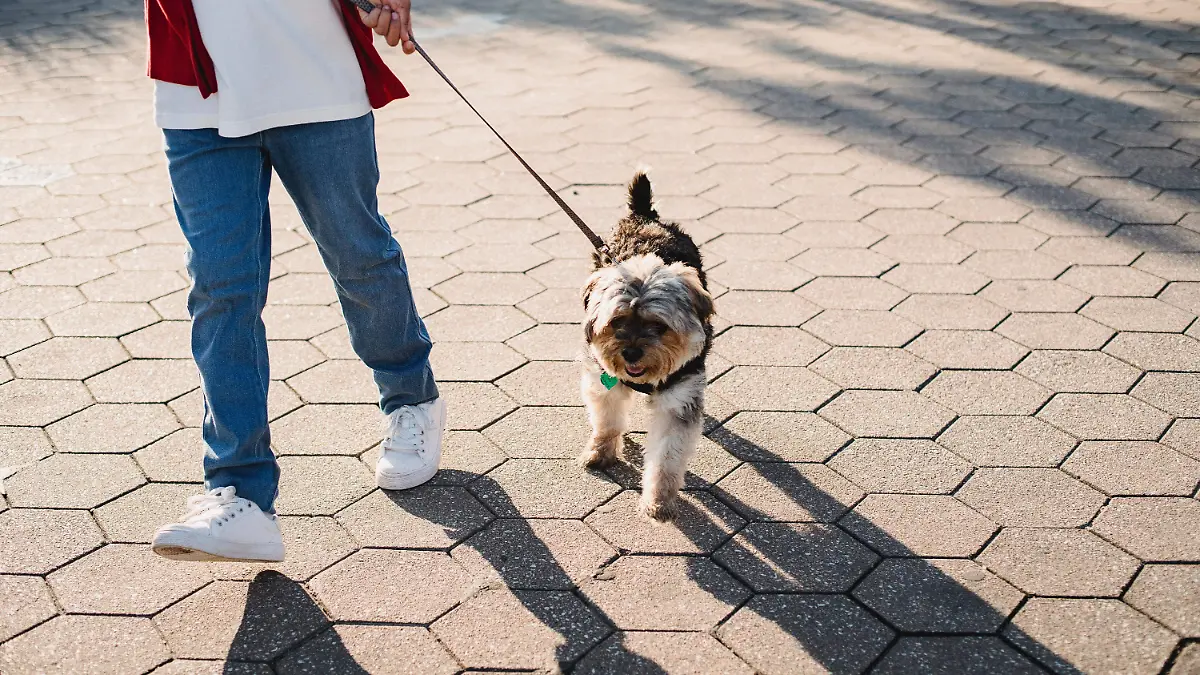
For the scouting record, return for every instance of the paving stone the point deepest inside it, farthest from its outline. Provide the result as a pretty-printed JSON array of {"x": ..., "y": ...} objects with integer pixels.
[
  {"x": 910, "y": 222},
  {"x": 487, "y": 288},
  {"x": 862, "y": 328},
  {"x": 862, "y": 293},
  {"x": 1112, "y": 280},
  {"x": 1054, "y": 331},
  {"x": 1184, "y": 436},
  {"x": 17, "y": 334},
  {"x": 176, "y": 458},
  {"x": 524, "y": 434},
  {"x": 327, "y": 430},
  {"x": 951, "y": 312},
  {"x": 64, "y": 358},
  {"x": 1137, "y": 314},
  {"x": 1079, "y": 371},
  {"x": 543, "y": 383},
  {"x": 922, "y": 278},
  {"x": 474, "y": 405},
  {"x": 922, "y": 248},
  {"x": 766, "y": 346},
  {"x": 993, "y": 440},
  {"x": 135, "y": 517},
  {"x": 1168, "y": 594},
  {"x": 1154, "y": 529},
  {"x": 754, "y": 247},
  {"x": 241, "y": 621},
  {"x": 299, "y": 322},
  {"x": 873, "y": 368},
  {"x": 40, "y": 402},
  {"x": 780, "y": 436},
  {"x": 1034, "y": 295},
  {"x": 951, "y": 655},
  {"x": 771, "y": 388},
  {"x": 556, "y": 305},
  {"x": 1182, "y": 294},
  {"x": 73, "y": 481},
  {"x": 168, "y": 340},
  {"x": 538, "y": 629},
  {"x": 646, "y": 651},
  {"x": 1134, "y": 468},
  {"x": 534, "y": 554},
  {"x": 918, "y": 525},
  {"x": 1030, "y": 497},
  {"x": 312, "y": 544},
  {"x": 986, "y": 393},
  {"x": 967, "y": 349},
  {"x": 843, "y": 262},
  {"x": 890, "y": 414},
  {"x": 1012, "y": 264},
  {"x": 1105, "y": 417},
  {"x": 1156, "y": 351},
  {"x": 320, "y": 486},
  {"x": 28, "y": 601},
  {"x": 347, "y": 648},
  {"x": 94, "y": 644},
  {"x": 102, "y": 319},
  {"x": 420, "y": 586},
  {"x": 1188, "y": 660},
  {"x": 427, "y": 517},
  {"x": 23, "y": 445},
  {"x": 472, "y": 361},
  {"x": 38, "y": 302},
  {"x": 779, "y": 634},
  {"x": 36, "y": 541},
  {"x": 1090, "y": 250},
  {"x": 515, "y": 489},
  {"x": 800, "y": 557},
  {"x": 788, "y": 492},
  {"x": 1077, "y": 635},
  {"x": 112, "y": 428},
  {"x": 702, "y": 525},
  {"x": 144, "y": 381},
  {"x": 938, "y": 596},
  {"x": 894, "y": 465},
  {"x": 1060, "y": 562},
  {"x": 124, "y": 579},
  {"x": 1175, "y": 393},
  {"x": 834, "y": 234},
  {"x": 686, "y": 593},
  {"x": 550, "y": 342},
  {"x": 461, "y": 323},
  {"x": 340, "y": 381},
  {"x": 742, "y": 275}
]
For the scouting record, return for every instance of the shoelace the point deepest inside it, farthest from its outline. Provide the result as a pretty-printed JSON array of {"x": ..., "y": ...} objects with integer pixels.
[
  {"x": 406, "y": 433},
  {"x": 210, "y": 505}
]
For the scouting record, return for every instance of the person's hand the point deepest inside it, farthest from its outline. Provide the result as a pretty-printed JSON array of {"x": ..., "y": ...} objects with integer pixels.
[{"x": 393, "y": 20}]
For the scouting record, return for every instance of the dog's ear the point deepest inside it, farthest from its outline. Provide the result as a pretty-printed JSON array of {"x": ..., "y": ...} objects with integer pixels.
[
  {"x": 589, "y": 286},
  {"x": 702, "y": 302}
]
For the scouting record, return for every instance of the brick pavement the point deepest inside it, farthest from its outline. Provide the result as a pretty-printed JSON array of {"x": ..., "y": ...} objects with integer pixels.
[{"x": 954, "y": 419}]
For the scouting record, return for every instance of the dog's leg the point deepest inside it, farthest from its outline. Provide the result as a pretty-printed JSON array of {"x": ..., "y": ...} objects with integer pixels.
[
  {"x": 609, "y": 413},
  {"x": 675, "y": 429}
]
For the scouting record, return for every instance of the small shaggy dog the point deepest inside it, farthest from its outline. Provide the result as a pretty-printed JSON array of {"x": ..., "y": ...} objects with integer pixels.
[{"x": 648, "y": 330}]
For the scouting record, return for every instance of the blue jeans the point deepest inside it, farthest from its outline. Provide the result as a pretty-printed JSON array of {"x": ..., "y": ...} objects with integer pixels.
[{"x": 220, "y": 187}]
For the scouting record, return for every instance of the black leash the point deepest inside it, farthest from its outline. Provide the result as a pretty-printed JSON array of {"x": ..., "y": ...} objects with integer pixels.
[{"x": 597, "y": 242}]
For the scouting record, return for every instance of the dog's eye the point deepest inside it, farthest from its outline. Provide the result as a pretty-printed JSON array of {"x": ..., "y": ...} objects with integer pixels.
[
  {"x": 656, "y": 328},
  {"x": 618, "y": 323}
]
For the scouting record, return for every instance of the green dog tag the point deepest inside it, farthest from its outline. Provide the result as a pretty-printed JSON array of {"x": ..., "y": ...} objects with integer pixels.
[{"x": 608, "y": 380}]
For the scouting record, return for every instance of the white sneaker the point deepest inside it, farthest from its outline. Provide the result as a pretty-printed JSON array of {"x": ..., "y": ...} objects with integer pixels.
[
  {"x": 413, "y": 446},
  {"x": 219, "y": 525}
]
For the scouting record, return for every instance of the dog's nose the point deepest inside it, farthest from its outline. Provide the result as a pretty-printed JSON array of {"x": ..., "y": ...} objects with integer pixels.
[{"x": 631, "y": 354}]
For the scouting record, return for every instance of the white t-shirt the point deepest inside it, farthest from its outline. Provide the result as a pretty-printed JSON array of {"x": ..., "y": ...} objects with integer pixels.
[{"x": 278, "y": 63}]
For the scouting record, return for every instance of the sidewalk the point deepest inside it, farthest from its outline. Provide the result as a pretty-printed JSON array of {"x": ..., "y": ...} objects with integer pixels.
[{"x": 954, "y": 422}]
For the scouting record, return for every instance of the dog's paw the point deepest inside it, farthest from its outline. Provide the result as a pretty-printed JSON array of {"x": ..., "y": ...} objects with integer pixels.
[
  {"x": 593, "y": 459},
  {"x": 664, "y": 511}
]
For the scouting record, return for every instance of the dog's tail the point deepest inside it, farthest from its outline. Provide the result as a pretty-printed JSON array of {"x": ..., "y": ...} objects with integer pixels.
[{"x": 641, "y": 197}]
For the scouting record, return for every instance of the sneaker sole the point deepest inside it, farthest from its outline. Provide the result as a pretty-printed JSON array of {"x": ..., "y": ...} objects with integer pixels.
[
  {"x": 406, "y": 481},
  {"x": 175, "y": 550}
]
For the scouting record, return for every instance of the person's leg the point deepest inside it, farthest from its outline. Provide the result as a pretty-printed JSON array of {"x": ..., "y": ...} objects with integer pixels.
[
  {"x": 331, "y": 171},
  {"x": 220, "y": 188}
]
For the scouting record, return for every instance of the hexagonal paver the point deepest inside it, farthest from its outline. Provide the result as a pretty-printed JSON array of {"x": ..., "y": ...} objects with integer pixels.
[
  {"x": 776, "y": 436},
  {"x": 967, "y": 349},
  {"x": 947, "y": 655},
  {"x": 922, "y": 278},
  {"x": 754, "y": 247},
  {"x": 865, "y": 293},
  {"x": 1112, "y": 280},
  {"x": 1034, "y": 295},
  {"x": 1134, "y": 468},
  {"x": 426, "y": 517},
  {"x": 1063, "y": 562},
  {"x": 762, "y": 275},
  {"x": 1137, "y": 314},
  {"x": 341, "y": 381},
  {"x": 1105, "y": 417},
  {"x": 549, "y": 342},
  {"x": 73, "y": 481},
  {"x": 472, "y": 361},
  {"x": 922, "y": 248},
  {"x": 419, "y": 586},
  {"x": 702, "y": 525},
  {"x": 993, "y": 440},
  {"x": 372, "y": 648},
  {"x": 1169, "y": 594},
  {"x": 112, "y": 428},
  {"x": 673, "y": 652},
  {"x": 1015, "y": 265},
  {"x": 788, "y": 492},
  {"x": 1156, "y": 351},
  {"x": 986, "y": 393},
  {"x": 795, "y": 557},
  {"x": 515, "y": 489},
  {"x": 779, "y": 634},
  {"x": 320, "y": 486},
  {"x": 768, "y": 346},
  {"x": 462, "y": 323},
  {"x": 30, "y": 603},
  {"x": 765, "y": 308},
  {"x": 924, "y": 525},
  {"x": 539, "y": 554},
  {"x": 889, "y": 414},
  {"x": 1184, "y": 436},
  {"x": 526, "y": 629},
  {"x": 40, "y": 402},
  {"x": 22, "y": 445},
  {"x": 176, "y": 458},
  {"x": 67, "y": 358},
  {"x": 299, "y": 322},
  {"x": 543, "y": 383},
  {"x": 938, "y": 596},
  {"x": 136, "y": 516},
  {"x": 1030, "y": 497},
  {"x": 843, "y": 262},
  {"x": 894, "y": 465},
  {"x": 1054, "y": 331},
  {"x": 873, "y": 368},
  {"x": 102, "y": 319},
  {"x": 145, "y": 381},
  {"x": 685, "y": 593},
  {"x": 124, "y": 579},
  {"x": 1152, "y": 528},
  {"x": 1079, "y": 371},
  {"x": 1175, "y": 393},
  {"x": 36, "y": 541},
  {"x": 487, "y": 288},
  {"x": 951, "y": 312},
  {"x": 312, "y": 544},
  {"x": 327, "y": 430},
  {"x": 242, "y": 621},
  {"x": 862, "y": 328},
  {"x": 770, "y": 388},
  {"x": 76, "y": 644},
  {"x": 474, "y": 405},
  {"x": 1075, "y": 635},
  {"x": 542, "y": 432},
  {"x": 556, "y": 305}
]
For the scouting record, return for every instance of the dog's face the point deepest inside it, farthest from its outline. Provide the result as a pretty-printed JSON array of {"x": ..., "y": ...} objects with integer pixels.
[{"x": 645, "y": 319}]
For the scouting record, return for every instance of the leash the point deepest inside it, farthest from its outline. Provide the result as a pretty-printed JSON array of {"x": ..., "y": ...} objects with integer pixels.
[{"x": 595, "y": 239}]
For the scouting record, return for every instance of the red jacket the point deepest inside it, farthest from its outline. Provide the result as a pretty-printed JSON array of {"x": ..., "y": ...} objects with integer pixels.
[{"x": 177, "y": 54}]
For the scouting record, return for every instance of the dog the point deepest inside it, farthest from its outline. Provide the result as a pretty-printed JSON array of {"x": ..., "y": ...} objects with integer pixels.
[{"x": 647, "y": 329}]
